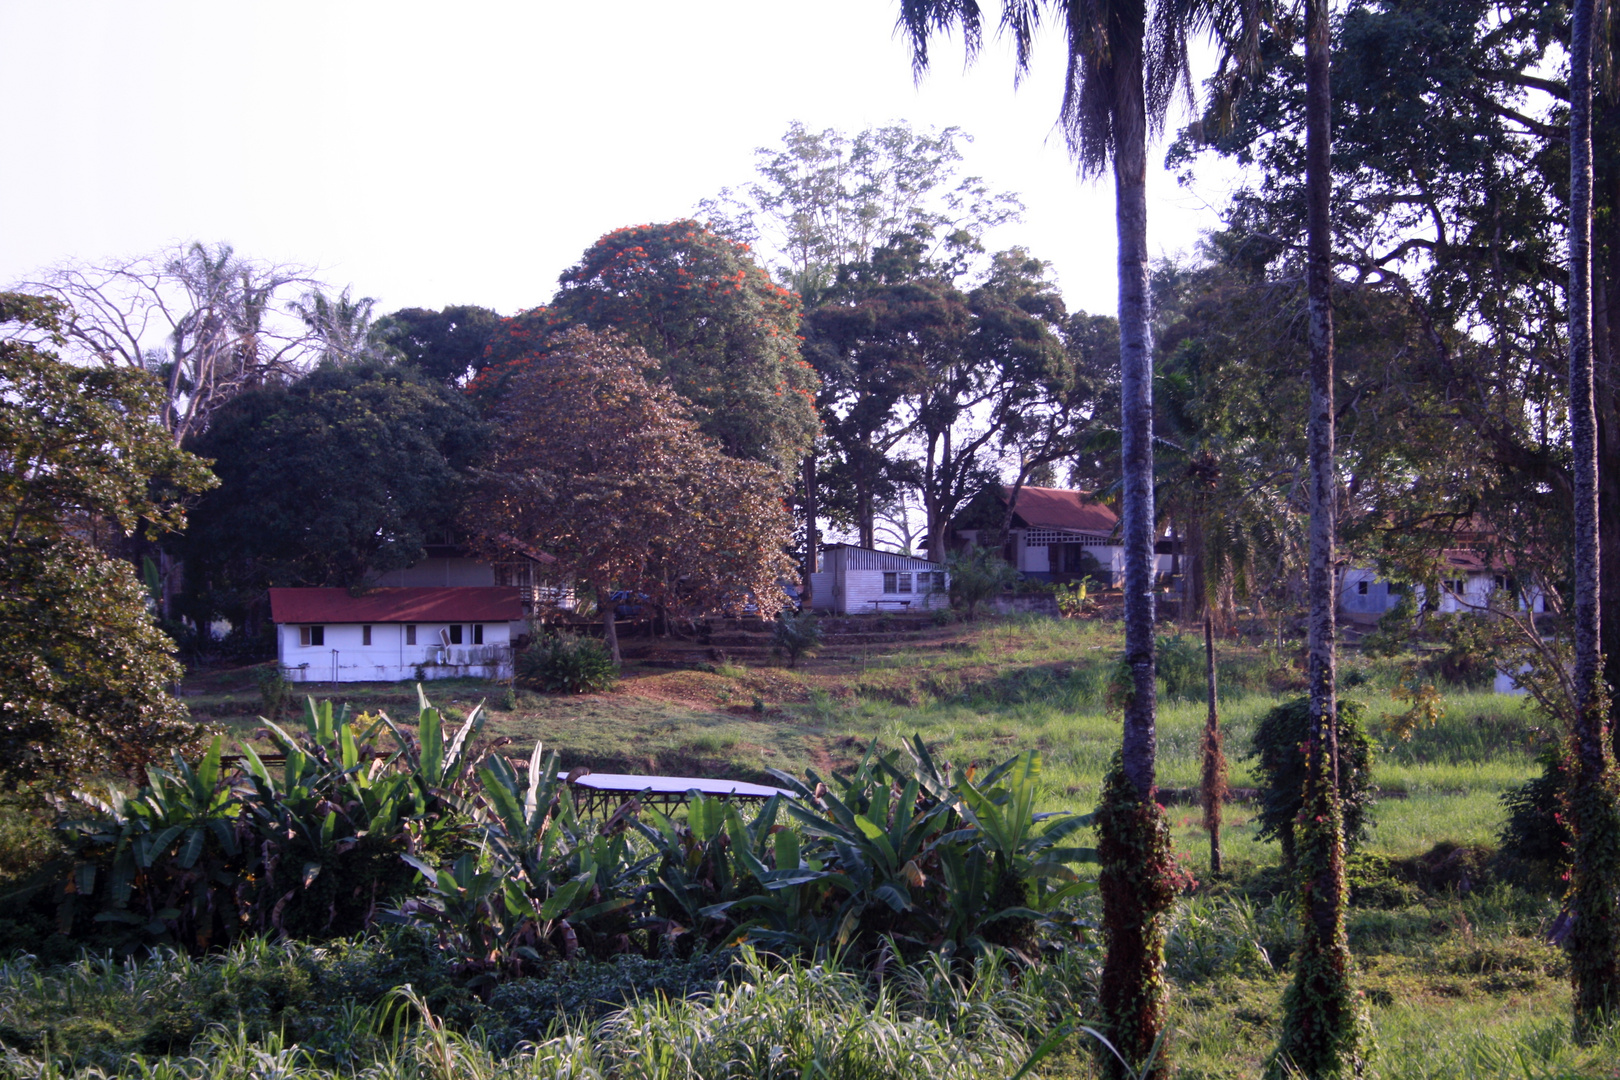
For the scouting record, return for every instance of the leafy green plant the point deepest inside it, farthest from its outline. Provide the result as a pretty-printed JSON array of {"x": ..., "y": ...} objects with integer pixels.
[
  {"x": 566, "y": 664},
  {"x": 197, "y": 858},
  {"x": 274, "y": 689},
  {"x": 795, "y": 633},
  {"x": 1277, "y": 749},
  {"x": 977, "y": 576},
  {"x": 1073, "y": 600},
  {"x": 1179, "y": 661},
  {"x": 1537, "y": 827}
]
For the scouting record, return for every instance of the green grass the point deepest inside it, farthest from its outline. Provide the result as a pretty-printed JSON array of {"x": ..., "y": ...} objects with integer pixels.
[{"x": 1457, "y": 985}]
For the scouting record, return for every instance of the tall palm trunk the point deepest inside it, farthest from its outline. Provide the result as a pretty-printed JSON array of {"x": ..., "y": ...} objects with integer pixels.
[
  {"x": 1322, "y": 1026},
  {"x": 1136, "y": 419},
  {"x": 1595, "y": 938},
  {"x": 1214, "y": 778},
  {"x": 1133, "y": 835}
]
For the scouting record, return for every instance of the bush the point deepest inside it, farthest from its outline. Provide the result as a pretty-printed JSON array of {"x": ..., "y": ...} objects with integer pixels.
[
  {"x": 1535, "y": 831},
  {"x": 1180, "y": 663},
  {"x": 796, "y": 633},
  {"x": 1279, "y": 741},
  {"x": 977, "y": 575},
  {"x": 566, "y": 664}
]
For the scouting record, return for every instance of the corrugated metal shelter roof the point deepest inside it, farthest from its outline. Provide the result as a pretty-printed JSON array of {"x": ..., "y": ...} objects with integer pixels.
[
  {"x": 469, "y": 603},
  {"x": 1057, "y": 508},
  {"x": 861, "y": 558}
]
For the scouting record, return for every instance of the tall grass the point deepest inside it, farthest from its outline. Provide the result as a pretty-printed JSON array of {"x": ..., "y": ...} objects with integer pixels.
[{"x": 774, "y": 1021}]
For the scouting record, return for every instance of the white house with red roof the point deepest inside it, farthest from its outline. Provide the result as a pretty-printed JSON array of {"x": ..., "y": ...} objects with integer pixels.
[
  {"x": 1055, "y": 534},
  {"x": 389, "y": 634}
]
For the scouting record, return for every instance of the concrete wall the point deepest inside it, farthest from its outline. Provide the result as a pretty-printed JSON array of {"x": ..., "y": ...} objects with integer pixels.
[
  {"x": 343, "y": 658},
  {"x": 853, "y": 592}
]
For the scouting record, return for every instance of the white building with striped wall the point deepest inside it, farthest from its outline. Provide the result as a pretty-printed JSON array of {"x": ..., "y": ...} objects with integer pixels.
[{"x": 854, "y": 580}]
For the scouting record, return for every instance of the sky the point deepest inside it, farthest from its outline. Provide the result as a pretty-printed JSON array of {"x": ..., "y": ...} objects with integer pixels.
[{"x": 469, "y": 152}]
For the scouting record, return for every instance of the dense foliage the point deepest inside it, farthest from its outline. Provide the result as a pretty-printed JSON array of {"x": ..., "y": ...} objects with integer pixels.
[
  {"x": 1278, "y": 748},
  {"x": 369, "y": 822},
  {"x": 330, "y": 480},
  {"x": 566, "y": 664},
  {"x": 721, "y": 334},
  {"x": 84, "y": 468},
  {"x": 606, "y": 469}
]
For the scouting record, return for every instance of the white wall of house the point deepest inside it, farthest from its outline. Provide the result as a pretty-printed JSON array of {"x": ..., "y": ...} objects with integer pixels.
[
  {"x": 1363, "y": 593},
  {"x": 343, "y": 655},
  {"x": 855, "y": 580}
]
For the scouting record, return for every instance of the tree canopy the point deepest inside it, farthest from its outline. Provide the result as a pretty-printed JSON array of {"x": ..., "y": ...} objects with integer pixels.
[
  {"x": 328, "y": 480},
  {"x": 724, "y": 336},
  {"x": 84, "y": 669},
  {"x": 606, "y": 469}
]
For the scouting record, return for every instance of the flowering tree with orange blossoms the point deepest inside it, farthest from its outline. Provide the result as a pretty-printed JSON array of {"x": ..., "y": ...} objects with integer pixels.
[
  {"x": 722, "y": 334},
  {"x": 606, "y": 469}
]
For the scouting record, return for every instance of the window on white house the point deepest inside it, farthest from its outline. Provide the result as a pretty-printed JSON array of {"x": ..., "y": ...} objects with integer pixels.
[
  {"x": 905, "y": 583},
  {"x": 311, "y": 636},
  {"x": 1361, "y": 588},
  {"x": 1455, "y": 585},
  {"x": 365, "y": 634},
  {"x": 478, "y": 633},
  {"x": 410, "y": 633},
  {"x": 891, "y": 581},
  {"x": 455, "y": 633}
]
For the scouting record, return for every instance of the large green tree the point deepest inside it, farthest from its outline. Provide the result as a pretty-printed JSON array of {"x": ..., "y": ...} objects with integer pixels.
[
  {"x": 84, "y": 463},
  {"x": 1454, "y": 181},
  {"x": 446, "y": 345},
  {"x": 823, "y": 200},
  {"x": 725, "y": 337},
  {"x": 328, "y": 480}
]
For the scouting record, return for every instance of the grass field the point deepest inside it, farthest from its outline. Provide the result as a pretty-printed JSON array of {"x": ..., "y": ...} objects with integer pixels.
[{"x": 1459, "y": 982}]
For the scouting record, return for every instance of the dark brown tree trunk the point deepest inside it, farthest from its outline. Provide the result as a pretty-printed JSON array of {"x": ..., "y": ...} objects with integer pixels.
[
  {"x": 1594, "y": 939},
  {"x": 1322, "y": 1023},
  {"x": 1214, "y": 785},
  {"x": 812, "y": 538},
  {"x": 1606, "y": 391}
]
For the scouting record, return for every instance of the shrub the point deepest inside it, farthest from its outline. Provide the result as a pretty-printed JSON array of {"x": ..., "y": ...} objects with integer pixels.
[
  {"x": 1279, "y": 741},
  {"x": 274, "y": 689},
  {"x": 1536, "y": 830},
  {"x": 977, "y": 575},
  {"x": 795, "y": 634},
  {"x": 566, "y": 664},
  {"x": 1180, "y": 663}
]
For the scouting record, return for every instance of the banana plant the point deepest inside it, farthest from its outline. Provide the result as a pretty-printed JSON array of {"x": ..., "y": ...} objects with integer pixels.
[
  {"x": 171, "y": 854},
  {"x": 715, "y": 861},
  {"x": 437, "y": 765},
  {"x": 572, "y": 884}
]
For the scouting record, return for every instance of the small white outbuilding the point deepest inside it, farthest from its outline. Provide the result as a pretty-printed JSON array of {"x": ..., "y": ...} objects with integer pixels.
[
  {"x": 857, "y": 579},
  {"x": 389, "y": 634}
]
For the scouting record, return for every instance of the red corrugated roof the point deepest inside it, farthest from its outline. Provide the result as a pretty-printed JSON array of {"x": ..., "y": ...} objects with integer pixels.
[
  {"x": 1057, "y": 508},
  {"x": 471, "y": 603}
]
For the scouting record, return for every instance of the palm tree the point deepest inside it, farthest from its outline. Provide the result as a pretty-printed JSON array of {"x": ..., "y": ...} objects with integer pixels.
[
  {"x": 1322, "y": 1030},
  {"x": 1595, "y": 938},
  {"x": 1123, "y": 70}
]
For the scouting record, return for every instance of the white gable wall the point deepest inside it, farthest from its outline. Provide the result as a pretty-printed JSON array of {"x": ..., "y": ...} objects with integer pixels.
[{"x": 342, "y": 657}]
